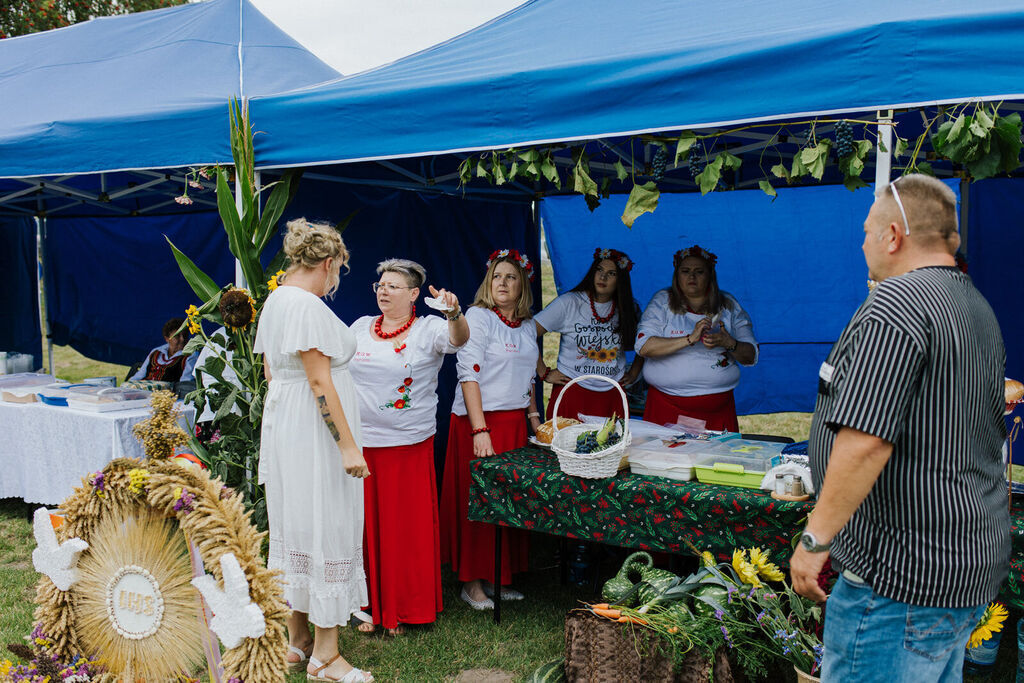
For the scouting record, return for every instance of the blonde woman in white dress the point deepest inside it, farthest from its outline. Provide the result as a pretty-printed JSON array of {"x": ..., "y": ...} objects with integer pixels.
[{"x": 311, "y": 459}]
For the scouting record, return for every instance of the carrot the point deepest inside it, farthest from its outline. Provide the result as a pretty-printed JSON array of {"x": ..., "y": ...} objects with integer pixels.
[
  {"x": 626, "y": 619},
  {"x": 607, "y": 613},
  {"x": 674, "y": 629},
  {"x": 600, "y": 605}
]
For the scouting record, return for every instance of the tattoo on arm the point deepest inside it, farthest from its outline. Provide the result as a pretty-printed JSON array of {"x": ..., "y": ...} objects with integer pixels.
[{"x": 325, "y": 413}]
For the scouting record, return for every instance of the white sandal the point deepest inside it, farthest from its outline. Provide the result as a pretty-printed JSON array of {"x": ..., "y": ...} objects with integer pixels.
[
  {"x": 353, "y": 676},
  {"x": 303, "y": 658}
]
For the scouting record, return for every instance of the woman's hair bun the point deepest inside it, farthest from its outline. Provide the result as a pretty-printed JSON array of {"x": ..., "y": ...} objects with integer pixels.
[{"x": 308, "y": 244}]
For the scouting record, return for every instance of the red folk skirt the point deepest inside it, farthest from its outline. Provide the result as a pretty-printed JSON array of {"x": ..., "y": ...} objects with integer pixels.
[
  {"x": 401, "y": 534},
  {"x": 469, "y": 546},
  {"x": 717, "y": 410},
  {"x": 582, "y": 400}
]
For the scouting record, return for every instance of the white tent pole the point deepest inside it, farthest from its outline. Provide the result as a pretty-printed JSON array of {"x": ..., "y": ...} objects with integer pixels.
[
  {"x": 239, "y": 276},
  {"x": 883, "y": 149},
  {"x": 45, "y": 318}
]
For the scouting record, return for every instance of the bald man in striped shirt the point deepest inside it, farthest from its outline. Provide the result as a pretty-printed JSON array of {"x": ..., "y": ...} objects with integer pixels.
[{"x": 905, "y": 451}]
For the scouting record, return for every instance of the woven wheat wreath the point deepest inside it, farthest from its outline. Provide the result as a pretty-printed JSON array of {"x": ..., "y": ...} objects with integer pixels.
[{"x": 132, "y": 601}]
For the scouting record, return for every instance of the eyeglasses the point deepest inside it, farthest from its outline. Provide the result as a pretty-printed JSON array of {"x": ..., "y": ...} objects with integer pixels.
[
  {"x": 386, "y": 286},
  {"x": 899, "y": 203}
]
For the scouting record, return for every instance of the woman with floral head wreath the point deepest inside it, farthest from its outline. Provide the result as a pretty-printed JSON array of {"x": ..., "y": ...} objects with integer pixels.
[
  {"x": 693, "y": 335},
  {"x": 311, "y": 455},
  {"x": 597, "y": 321},
  {"x": 496, "y": 397},
  {"x": 398, "y": 357}
]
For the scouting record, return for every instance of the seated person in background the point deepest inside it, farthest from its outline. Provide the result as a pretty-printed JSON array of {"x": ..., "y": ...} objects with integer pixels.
[{"x": 166, "y": 363}]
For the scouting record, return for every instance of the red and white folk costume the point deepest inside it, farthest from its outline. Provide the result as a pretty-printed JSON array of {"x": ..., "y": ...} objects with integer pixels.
[
  {"x": 397, "y": 387},
  {"x": 503, "y": 361}
]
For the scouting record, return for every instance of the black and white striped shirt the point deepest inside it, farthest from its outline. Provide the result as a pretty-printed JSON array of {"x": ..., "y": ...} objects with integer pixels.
[{"x": 921, "y": 366}]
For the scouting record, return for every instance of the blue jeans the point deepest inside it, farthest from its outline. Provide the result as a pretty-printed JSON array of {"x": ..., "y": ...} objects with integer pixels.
[{"x": 869, "y": 637}]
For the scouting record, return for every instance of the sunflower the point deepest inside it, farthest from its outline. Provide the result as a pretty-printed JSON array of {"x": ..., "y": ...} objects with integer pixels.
[
  {"x": 991, "y": 622},
  {"x": 237, "y": 308},
  {"x": 613, "y": 354},
  {"x": 591, "y": 354},
  {"x": 274, "y": 282},
  {"x": 766, "y": 569},
  {"x": 746, "y": 571},
  {"x": 602, "y": 355},
  {"x": 192, "y": 313}
]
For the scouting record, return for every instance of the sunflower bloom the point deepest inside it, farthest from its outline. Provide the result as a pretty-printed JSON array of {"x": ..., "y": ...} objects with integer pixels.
[
  {"x": 746, "y": 571},
  {"x": 991, "y": 622},
  {"x": 192, "y": 313},
  {"x": 273, "y": 283},
  {"x": 766, "y": 569}
]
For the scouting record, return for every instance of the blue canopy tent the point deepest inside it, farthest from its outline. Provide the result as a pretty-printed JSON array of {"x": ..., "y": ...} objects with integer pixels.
[{"x": 613, "y": 76}]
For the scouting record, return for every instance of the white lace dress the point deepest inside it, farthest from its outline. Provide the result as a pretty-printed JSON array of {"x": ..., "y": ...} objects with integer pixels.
[{"x": 315, "y": 509}]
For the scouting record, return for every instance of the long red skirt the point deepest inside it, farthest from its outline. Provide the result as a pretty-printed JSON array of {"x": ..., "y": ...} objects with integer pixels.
[
  {"x": 469, "y": 546},
  {"x": 717, "y": 410},
  {"x": 582, "y": 400},
  {"x": 401, "y": 534}
]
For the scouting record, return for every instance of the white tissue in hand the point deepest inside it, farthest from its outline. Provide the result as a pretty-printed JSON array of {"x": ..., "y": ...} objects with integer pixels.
[
  {"x": 56, "y": 561},
  {"x": 437, "y": 304},
  {"x": 235, "y": 615}
]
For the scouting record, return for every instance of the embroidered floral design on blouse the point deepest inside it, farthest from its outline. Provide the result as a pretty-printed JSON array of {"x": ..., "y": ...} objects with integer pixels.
[
  {"x": 722, "y": 362},
  {"x": 404, "y": 389}
]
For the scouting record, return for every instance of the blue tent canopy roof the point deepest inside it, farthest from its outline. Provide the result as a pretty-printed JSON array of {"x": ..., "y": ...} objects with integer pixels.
[
  {"x": 555, "y": 70},
  {"x": 146, "y": 90}
]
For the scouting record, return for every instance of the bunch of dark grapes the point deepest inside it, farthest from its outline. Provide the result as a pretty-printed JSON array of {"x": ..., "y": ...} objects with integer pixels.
[
  {"x": 696, "y": 162},
  {"x": 844, "y": 139},
  {"x": 658, "y": 164},
  {"x": 586, "y": 442}
]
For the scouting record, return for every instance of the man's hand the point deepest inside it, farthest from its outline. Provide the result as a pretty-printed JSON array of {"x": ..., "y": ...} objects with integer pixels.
[{"x": 804, "y": 568}]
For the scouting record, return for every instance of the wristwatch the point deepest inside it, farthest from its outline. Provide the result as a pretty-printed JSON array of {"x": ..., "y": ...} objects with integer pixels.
[{"x": 811, "y": 544}]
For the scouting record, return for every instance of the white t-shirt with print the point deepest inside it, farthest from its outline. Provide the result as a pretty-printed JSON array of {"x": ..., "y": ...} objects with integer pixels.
[
  {"x": 587, "y": 346},
  {"x": 502, "y": 359},
  {"x": 398, "y": 389},
  {"x": 695, "y": 370}
]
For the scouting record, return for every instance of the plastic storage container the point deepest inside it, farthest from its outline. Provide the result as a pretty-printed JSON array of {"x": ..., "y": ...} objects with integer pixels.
[
  {"x": 22, "y": 387},
  {"x": 738, "y": 462},
  {"x": 653, "y": 457},
  {"x": 99, "y": 399}
]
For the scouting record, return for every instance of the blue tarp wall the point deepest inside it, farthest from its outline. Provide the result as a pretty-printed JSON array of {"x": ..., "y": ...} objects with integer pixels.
[
  {"x": 795, "y": 265},
  {"x": 19, "y": 297}
]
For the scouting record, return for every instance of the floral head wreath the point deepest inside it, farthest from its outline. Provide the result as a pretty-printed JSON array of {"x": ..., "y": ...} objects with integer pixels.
[
  {"x": 514, "y": 255},
  {"x": 695, "y": 250},
  {"x": 614, "y": 255}
]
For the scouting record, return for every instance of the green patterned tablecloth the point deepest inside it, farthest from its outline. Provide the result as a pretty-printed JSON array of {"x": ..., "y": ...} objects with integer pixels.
[
  {"x": 525, "y": 489},
  {"x": 1013, "y": 589}
]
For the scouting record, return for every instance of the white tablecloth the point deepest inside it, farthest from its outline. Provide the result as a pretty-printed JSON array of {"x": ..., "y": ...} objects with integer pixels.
[{"x": 45, "y": 451}]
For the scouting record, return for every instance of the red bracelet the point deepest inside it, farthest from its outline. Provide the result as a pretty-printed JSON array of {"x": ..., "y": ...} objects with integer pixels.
[
  {"x": 482, "y": 430},
  {"x": 544, "y": 377}
]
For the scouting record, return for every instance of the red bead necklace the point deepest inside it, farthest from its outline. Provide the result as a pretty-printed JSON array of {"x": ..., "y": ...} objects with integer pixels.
[
  {"x": 600, "y": 319},
  {"x": 378, "y": 330},
  {"x": 510, "y": 323}
]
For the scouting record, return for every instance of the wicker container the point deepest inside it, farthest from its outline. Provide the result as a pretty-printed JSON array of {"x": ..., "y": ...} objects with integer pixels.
[
  {"x": 601, "y": 651},
  {"x": 597, "y": 465}
]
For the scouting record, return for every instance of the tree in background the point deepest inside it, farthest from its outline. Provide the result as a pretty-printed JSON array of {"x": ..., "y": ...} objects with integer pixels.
[{"x": 19, "y": 17}]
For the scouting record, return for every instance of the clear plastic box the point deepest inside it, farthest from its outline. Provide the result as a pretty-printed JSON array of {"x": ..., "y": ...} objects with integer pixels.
[
  {"x": 100, "y": 399},
  {"x": 738, "y": 462}
]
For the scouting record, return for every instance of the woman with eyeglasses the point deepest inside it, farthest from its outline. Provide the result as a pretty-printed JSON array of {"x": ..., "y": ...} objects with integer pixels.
[
  {"x": 496, "y": 370},
  {"x": 398, "y": 356},
  {"x": 597, "y": 320},
  {"x": 693, "y": 335}
]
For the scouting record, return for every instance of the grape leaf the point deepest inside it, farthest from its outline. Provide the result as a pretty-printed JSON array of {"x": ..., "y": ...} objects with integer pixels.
[
  {"x": 853, "y": 182},
  {"x": 642, "y": 199},
  {"x": 767, "y": 188},
  {"x": 686, "y": 140},
  {"x": 780, "y": 171},
  {"x": 582, "y": 182},
  {"x": 620, "y": 171},
  {"x": 730, "y": 160},
  {"x": 708, "y": 179},
  {"x": 499, "y": 171},
  {"x": 550, "y": 171},
  {"x": 901, "y": 147}
]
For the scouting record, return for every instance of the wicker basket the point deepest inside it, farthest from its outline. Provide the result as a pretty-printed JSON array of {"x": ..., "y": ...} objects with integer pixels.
[{"x": 597, "y": 465}]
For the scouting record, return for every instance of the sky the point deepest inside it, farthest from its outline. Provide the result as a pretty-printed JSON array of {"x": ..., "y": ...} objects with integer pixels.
[{"x": 355, "y": 35}]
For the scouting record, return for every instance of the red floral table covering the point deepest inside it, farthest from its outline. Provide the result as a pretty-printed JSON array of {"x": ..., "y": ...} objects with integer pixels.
[{"x": 525, "y": 489}]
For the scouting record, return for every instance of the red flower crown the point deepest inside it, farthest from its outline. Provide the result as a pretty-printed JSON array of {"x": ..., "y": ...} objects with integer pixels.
[
  {"x": 619, "y": 258},
  {"x": 514, "y": 255},
  {"x": 695, "y": 250}
]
